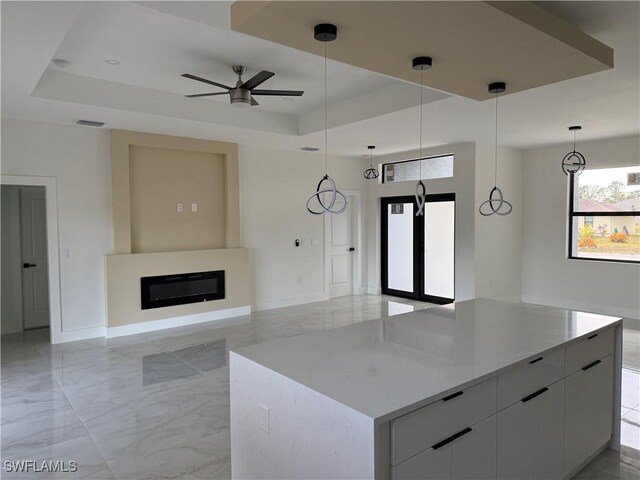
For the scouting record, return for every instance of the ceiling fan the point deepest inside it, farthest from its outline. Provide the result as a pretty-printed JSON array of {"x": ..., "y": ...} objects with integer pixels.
[{"x": 242, "y": 94}]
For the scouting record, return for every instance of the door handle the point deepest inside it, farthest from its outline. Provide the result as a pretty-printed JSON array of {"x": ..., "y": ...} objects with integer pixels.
[
  {"x": 28, "y": 265},
  {"x": 352, "y": 249}
]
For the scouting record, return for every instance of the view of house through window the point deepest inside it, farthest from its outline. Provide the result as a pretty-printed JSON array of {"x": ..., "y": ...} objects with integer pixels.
[
  {"x": 605, "y": 215},
  {"x": 411, "y": 170}
]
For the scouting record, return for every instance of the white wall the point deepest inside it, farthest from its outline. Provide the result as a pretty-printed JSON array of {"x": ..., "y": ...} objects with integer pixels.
[
  {"x": 79, "y": 159},
  {"x": 274, "y": 186},
  {"x": 11, "y": 274},
  {"x": 462, "y": 184},
  {"x": 498, "y": 239},
  {"x": 548, "y": 276}
]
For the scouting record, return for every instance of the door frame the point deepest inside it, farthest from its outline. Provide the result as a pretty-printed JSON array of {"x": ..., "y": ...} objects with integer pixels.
[
  {"x": 356, "y": 273},
  {"x": 418, "y": 242},
  {"x": 53, "y": 260}
]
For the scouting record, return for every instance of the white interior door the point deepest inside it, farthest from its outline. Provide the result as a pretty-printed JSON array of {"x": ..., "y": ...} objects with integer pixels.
[
  {"x": 33, "y": 247},
  {"x": 342, "y": 249}
]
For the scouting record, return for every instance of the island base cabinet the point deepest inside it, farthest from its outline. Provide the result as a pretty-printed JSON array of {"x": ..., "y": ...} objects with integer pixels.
[
  {"x": 530, "y": 437},
  {"x": 470, "y": 456},
  {"x": 588, "y": 412}
]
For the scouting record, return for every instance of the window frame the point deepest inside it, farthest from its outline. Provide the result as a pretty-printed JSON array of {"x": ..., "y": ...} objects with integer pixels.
[
  {"x": 418, "y": 159},
  {"x": 573, "y": 214}
]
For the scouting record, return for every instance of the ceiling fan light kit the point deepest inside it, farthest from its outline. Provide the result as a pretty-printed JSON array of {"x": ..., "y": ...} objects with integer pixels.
[
  {"x": 371, "y": 173},
  {"x": 326, "y": 32},
  {"x": 574, "y": 162},
  {"x": 421, "y": 64},
  {"x": 496, "y": 204}
]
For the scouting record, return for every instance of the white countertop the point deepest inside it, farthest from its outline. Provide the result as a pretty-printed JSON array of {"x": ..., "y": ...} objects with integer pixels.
[{"x": 387, "y": 367}]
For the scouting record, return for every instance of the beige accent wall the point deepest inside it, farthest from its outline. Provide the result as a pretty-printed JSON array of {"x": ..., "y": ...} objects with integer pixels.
[
  {"x": 124, "y": 273},
  {"x": 124, "y": 143},
  {"x": 160, "y": 179}
]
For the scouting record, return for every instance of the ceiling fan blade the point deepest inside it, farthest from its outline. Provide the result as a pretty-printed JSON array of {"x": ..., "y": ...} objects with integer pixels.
[
  {"x": 257, "y": 79},
  {"x": 254, "y": 102},
  {"x": 206, "y": 94},
  {"x": 204, "y": 80},
  {"x": 284, "y": 93}
]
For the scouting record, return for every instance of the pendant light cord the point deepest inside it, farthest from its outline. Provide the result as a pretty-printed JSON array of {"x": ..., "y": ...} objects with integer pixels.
[
  {"x": 574, "y": 141},
  {"x": 421, "y": 89},
  {"x": 325, "y": 111},
  {"x": 495, "y": 148}
]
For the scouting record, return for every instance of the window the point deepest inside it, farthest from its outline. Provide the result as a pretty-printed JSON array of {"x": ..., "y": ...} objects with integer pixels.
[
  {"x": 604, "y": 215},
  {"x": 409, "y": 170}
]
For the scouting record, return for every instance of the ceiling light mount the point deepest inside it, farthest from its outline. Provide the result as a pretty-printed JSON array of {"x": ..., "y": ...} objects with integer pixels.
[
  {"x": 325, "y": 32},
  {"x": 371, "y": 173},
  {"x": 574, "y": 162},
  {"x": 496, "y": 204},
  {"x": 422, "y": 63},
  {"x": 112, "y": 61},
  {"x": 497, "y": 87}
]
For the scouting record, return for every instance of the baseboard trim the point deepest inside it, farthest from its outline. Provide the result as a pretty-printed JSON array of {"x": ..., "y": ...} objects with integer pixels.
[
  {"x": 374, "y": 290},
  {"x": 82, "y": 334},
  {"x": 291, "y": 301},
  {"x": 143, "y": 327}
]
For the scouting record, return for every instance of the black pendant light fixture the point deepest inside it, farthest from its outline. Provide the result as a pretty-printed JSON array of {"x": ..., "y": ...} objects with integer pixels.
[
  {"x": 574, "y": 162},
  {"x": 496, "y": 203},
  {"x": 326, "y": 32},
  {"x": 421, "y": 64},
  {"x": 371, "y": 173}
]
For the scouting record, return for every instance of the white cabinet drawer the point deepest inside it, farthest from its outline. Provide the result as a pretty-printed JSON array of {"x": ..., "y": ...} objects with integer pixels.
[
  {"x": 419, "y": 430},
  {"x": 470, "y": 455},
  {"x": 588, "y": 350},
  {"x": 516, "y": 383}
]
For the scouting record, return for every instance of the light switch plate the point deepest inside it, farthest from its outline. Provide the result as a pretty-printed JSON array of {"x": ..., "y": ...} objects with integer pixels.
[{"x": 194, "y": 207}]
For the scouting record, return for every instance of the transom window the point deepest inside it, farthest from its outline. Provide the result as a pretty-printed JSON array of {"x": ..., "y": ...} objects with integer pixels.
[
  {"x": 604, "y": 215},
  {"x": 409, "y": 170}
]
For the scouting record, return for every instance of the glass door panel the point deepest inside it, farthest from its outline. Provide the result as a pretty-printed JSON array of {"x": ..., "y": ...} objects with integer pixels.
[
  {"x": 438, "y": 250},
  {"x": 400, "y": 270}
]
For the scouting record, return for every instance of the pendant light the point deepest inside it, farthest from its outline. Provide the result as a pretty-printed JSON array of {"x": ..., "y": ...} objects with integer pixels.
[
  {"x": 574, "y": 162},
  {"x": 326, "y": 32},
  {"x": 371, "y": 173},
  {"x": 496, "y": 203},
  {"x": 421, "y": 64}
]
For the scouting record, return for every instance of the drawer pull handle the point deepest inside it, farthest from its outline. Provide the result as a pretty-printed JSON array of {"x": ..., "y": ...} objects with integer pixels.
[
  {"x": 593, "y": 364},
  {"x": 592, "y": 336},
  {"x": 534, "y": 395},
  {"x": 452, "y": 396},
  {"x": 536, "y": 360},
  {"x": 453, "y": 437}
]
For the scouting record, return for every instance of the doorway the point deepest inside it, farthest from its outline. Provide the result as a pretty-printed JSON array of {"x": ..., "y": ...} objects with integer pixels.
[
  {"x": 343, "y": 247},
  {"x": 25, "y": 285},
  {"x": 31, "y": 298},
  {"x": 418, "y": 252}
]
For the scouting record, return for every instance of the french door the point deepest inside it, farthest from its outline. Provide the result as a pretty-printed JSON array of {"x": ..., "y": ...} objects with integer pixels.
[{"x": 418, "y": 252}]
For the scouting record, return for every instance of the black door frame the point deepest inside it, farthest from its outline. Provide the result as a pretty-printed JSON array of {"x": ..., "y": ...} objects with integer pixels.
[{"x": 418, "y": 247}]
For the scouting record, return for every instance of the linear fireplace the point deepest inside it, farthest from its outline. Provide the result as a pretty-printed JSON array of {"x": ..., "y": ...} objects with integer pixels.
[{"x": 167, "y": 290}]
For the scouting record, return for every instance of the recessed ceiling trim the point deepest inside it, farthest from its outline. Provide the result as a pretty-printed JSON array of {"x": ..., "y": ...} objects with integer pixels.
[{"x": 472, "y": 42}]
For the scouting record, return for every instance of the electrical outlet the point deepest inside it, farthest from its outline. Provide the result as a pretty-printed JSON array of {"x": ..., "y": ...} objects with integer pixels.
[
  {"x": 265, "y": 419},
  {"x": 179, "y": 207}
]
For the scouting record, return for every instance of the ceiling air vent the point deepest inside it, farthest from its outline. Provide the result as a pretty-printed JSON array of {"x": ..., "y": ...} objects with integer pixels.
[{"x": 89, "y": 123}]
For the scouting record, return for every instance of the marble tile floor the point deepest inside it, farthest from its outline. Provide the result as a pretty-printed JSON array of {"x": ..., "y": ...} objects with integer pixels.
[{"x": 156, "y": 405}]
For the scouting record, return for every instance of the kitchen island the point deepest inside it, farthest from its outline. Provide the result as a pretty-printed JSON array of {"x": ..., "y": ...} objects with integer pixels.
[{"x": 477, "y": 389}]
